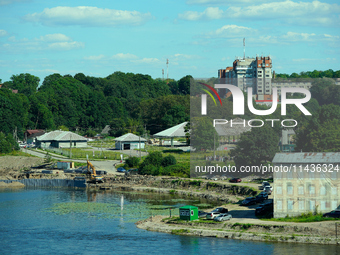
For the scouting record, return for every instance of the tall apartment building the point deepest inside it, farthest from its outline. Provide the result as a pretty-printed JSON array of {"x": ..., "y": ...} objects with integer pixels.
[{"x": 250, "y": 72}]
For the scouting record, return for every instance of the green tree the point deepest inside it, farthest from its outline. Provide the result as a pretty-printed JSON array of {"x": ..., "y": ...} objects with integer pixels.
[
  {"x": 26, "y": 84},
  {"x": 256, "y": 147},
  {"x": 319, "y": 132},
  {"x": 184, "y": 85},
  {"x": 151, "y": 163},
  {"x": 203, "y": 134}
]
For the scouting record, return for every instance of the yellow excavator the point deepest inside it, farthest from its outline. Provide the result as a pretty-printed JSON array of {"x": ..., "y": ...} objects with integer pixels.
[{"x": 93, "y": 175}]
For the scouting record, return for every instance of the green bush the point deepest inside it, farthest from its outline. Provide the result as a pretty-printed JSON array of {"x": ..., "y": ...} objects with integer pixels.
[
  {"x": 132, "y": 161},
  {"x": 7, "y": 143},
  {"x": 180, "y": 170},
  {"x": 169, "y": 160}
]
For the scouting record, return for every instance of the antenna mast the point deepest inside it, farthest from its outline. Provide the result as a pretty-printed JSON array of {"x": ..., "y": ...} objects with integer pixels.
[
  {"x": 167, "y": 71},
  {"x": 244, "y": 48}
]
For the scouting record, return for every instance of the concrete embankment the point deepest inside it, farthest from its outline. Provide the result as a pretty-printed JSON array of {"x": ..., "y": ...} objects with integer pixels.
[{"x": 274, "y": 232}]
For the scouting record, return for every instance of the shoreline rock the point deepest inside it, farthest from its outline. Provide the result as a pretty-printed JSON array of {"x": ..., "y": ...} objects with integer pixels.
[{"x": 156, "y": 224}]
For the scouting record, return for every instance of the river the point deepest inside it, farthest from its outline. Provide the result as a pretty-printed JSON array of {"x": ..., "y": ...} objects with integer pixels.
[{"x": 68, "y": 221}]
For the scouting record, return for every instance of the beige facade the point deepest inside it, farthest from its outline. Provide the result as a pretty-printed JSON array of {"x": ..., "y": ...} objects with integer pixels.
[
  {"x": 290, "y": 84},
  {"x": 306, "y": 182}
]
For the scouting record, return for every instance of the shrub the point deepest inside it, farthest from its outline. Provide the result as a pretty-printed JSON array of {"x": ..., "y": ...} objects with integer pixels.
[
  {"x": 132, "y": 161},
  {"x": 169, "y": 160}
]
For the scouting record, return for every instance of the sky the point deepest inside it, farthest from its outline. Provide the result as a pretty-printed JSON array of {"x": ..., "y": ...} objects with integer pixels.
[{"x": 198, "y": 37}]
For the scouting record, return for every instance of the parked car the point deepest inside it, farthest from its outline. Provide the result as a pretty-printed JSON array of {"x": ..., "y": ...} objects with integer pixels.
[
  {"x": 268, "y": 190},
  {"x": 221, "y": 210},
  {"x": 235, "y": 180},
  {"x": 264, "y": 184},
  {"x": 332, "y": 214},
  {"x": 212, "y": 215},
  {"x": 249, "y": 201},
  {"x": 121, "y": 170},
  {"x": 264, "y": 209},
  {"x": 261, "y": 197},
  {"x": 202, "y": 214},
  {"x": 223, "y": 217},
  {"x": 132, "y": 171}
]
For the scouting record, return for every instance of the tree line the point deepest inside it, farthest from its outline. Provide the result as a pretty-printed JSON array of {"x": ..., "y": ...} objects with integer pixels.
[{"x": 127, "y": 102}]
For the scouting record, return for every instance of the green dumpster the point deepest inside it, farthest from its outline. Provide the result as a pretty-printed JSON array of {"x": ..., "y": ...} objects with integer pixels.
[{"x": 188, "y": 212}]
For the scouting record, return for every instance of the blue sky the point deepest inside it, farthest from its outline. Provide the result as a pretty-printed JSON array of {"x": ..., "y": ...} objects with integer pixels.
[{"x": 198, "y": 37}]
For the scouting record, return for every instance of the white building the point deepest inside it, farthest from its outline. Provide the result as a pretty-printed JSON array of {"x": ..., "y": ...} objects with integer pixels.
[
  {"x": 61, "y": 139},
  {"x": 129, "y": 142}
]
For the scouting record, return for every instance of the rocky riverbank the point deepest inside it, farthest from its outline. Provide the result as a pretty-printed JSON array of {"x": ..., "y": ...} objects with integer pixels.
[{"x": 315, "y": 233}]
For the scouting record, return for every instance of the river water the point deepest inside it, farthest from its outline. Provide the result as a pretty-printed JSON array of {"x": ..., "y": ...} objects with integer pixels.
[{"x": 67, "y": 221}]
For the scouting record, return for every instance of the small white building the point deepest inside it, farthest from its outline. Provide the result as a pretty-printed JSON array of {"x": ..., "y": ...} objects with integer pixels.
[
  {"x": 61, "y": 139},
  {"x": 129, "y": 142}
]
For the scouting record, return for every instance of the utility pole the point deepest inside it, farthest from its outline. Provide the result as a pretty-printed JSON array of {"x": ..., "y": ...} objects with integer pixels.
[
  {"x": 163, "y": 74},
  {"x": 70, "y": 145},
  {"x": 140, "y": 152}
]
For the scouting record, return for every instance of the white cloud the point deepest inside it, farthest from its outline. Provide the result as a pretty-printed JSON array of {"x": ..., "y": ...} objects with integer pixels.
[
  {"x": 53, "y": 42},
  {"x": 48, "y": 71},
  {"x": 123, "y": 56},
  {"x": 54, "y": 38},
  {"x": 229, "y": 31},
  {"x": 87, "y": 16},
  {"x": 95, "y": 58},
  {"x": 3, "y": 32},
  {"x": 178, "y": 57},
  {"x": 305, "y": 37},
  {"x": 146, "y": 60},
  {"x": 303, "y": 13},
  {"x": 209, "y": 13},
  {"x": 222, "y": 2},
  {"x": 65, "y": 45}
]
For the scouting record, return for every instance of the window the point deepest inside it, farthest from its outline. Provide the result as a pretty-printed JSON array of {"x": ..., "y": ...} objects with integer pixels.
[
  {"x": 290, "y": 190},
  {"x": 323, "y": 205},
  {"x": 322, "y": 190},
  {"x": 334, "y": 204},
  {"x": 312, "y": 205},
  {"x": 311, "y": 190},
  {"x": 279, "y": 190},
  {"x": 279, "y": 205},
  {"x": 300, "y": 190},
  {"x": 301, "y": 205},
  {"x": 334, "y": 190},
  {"x": 290, "y": 205}
]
